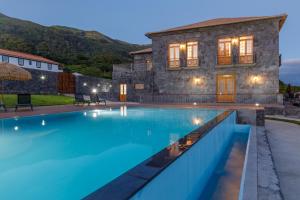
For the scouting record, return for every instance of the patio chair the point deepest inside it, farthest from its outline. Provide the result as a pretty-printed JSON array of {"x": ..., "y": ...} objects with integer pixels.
[
  {"x": 24, "y": 100},
  {"x": 2, "y": 105},
  {"x": 79, "y": 99},
  {"x": 96, "y": 99}
]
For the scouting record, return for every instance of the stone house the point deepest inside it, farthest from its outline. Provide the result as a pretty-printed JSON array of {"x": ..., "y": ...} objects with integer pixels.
[{"x": 221, "y": 60}]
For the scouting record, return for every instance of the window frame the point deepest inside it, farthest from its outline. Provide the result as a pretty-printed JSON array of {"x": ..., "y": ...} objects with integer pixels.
[
  {"x": 49, "y": 66},
  {"x": 21, "y": 61},
  {"x": 30, "y": 62},
  {"x": 246, "y": 58},
  {"x": 38, "y": 64},
  {"x": 226, "y": 58},
  {"x": 4, "y": 60},
  {"x": 174, "y": 63},
  {"x": 193, "y": 60}
]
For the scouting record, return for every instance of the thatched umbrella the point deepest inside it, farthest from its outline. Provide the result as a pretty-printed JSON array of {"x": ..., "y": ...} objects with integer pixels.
[{"x": 11, "y": 72}]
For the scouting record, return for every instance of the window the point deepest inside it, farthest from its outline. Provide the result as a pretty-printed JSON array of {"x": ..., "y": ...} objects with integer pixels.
[
  {"x": 192, "y": 54},
  {"x": 139, "y": 86},
  {"x": 5, "y": 59},
  {"x": 174, "y": 55},
  {"x": 49, "y": 66},
  {"x": 21, "y": 61},
  {"x": 246, "y": 50},
  {"x": 149, "y": 64},
  {"x": 30, "y": 62},
  {"x": 224, "y": 51},
  {"x": 38, "y": 64}
]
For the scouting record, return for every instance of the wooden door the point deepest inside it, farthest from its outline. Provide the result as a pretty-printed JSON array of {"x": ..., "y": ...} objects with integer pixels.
[
  {"x": 226, "y": 88},
  {"x": 66, "y": 83},
  {"x": 123, "y": 92}
]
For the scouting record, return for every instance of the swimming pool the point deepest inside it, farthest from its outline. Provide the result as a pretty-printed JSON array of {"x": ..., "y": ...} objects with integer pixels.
[{"x": 70, "y": 155}]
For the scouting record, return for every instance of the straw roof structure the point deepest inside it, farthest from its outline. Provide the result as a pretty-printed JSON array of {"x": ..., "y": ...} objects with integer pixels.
[{"x": 11, "y": 72}]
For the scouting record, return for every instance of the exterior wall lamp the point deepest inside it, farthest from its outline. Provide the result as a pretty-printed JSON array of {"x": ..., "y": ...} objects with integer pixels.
[
  {"x": 84, "y": 84},
  {"x": 182, "y": 46},
  {"x": 94, "y": 90},
  {"x": 43, "y": 77},
  {"x": 256, "y": 79},
  {"x": 198, "y": 81},
  {"x": 235, "y": 41}
]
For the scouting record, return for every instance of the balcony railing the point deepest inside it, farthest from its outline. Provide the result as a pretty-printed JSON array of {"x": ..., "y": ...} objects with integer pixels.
[
  {"x": 174, "y": 63},
  {"x": 246, "y": 59},
  {"x": 224, "y": 60},
  {"x": 192, "y": 62}
]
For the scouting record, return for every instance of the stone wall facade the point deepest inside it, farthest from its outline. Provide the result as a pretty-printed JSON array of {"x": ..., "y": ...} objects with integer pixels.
[
  {"x": 49, "y": 84},
  {"x": 163, "y": 84},
  {"x": 37, "y": 85}
]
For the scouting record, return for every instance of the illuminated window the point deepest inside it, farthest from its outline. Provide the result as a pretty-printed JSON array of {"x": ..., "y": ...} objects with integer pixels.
[
  {"x": 192, "y": 54},
  {"x": 149, "y": 64},
  {"x": 224, "y": 51},
  {"x": 174, "y": 55},
  {"x": 246, "y": 50},
  {"x": 123, "y": 89}
]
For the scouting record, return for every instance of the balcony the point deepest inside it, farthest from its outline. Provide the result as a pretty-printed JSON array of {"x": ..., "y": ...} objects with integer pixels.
[
  {"x": 174, "y": 63},
  {"x": 224, "y": 60},
  {"x": 192, "y": 62},
  {"x": 246, "y": 59}
]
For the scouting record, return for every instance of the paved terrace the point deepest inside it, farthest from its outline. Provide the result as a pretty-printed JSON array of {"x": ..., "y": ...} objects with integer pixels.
[{"x": 284, "y": 140}]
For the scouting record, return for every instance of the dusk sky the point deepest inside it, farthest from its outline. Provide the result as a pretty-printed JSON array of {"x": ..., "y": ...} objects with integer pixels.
[{"x": 129, "y": 20}]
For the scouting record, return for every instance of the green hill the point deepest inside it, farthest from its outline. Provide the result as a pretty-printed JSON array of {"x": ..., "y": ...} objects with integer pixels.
[{"x": 86, "y": 52}]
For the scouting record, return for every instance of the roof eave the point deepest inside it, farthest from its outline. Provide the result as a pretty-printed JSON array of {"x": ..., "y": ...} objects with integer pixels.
[{"x": 282, "y": 20}]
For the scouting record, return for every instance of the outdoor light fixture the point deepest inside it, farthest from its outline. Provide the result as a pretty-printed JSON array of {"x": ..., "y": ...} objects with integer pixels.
[
  {"x": 194, "y": 103},
  {"x": 94, "y": 90},
  {"x": 257, "y": 104},
  {"x": 182, "y": 46},
  {"x": 98, "y": 85},
  {"x": 255, "y": 79},
  {"x": 43, "y": 77},
  {"x": 84, "y": 84},
  {"x": 235, "y": 41},
  {"x": 198, "y": 81}
]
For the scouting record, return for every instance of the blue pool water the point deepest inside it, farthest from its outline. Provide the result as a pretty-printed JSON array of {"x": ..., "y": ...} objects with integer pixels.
[{"x": 69, "y": 155}]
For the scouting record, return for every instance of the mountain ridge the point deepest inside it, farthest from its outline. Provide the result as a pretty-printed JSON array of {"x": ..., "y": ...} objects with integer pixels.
[{"x": 87, "y": 52}]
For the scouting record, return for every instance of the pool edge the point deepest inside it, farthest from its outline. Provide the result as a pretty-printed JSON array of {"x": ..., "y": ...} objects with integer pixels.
[{"x": 136, "y": 178}]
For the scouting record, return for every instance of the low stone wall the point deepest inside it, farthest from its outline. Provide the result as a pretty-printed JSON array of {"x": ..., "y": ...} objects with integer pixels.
[
  {"x": 49, "y": 85},
  {"x": 36, "y": 85},
  {"x": 86, "y": 85},
  {"x": 203, "y": 98}
]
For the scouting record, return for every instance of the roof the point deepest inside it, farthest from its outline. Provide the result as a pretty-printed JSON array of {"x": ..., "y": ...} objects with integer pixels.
[
  {"x": 221, "y": 21},
  {"x": 27, "y": 56},
  {"x": 143, "y": 51}
]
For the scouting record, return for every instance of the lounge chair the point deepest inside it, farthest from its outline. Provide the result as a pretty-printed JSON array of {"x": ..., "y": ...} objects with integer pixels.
[
  {"x": 24, "y": 100},
  {"x": 79, "y": 99},
  {"x": 2, "y": 105},
  {"x": 96, "y": 99}
]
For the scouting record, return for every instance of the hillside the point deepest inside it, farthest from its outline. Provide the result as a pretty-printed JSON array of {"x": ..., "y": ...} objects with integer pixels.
[{"x": 87, "y": 52}]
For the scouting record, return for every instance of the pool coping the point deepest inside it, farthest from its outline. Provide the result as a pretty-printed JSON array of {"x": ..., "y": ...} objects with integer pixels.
[
  {"x": 129, "y": 183},
  {"x": 249, "y": 184}
]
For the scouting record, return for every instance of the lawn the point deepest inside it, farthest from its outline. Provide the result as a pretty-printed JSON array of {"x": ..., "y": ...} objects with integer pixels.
[{"x": 40, "y": 100}]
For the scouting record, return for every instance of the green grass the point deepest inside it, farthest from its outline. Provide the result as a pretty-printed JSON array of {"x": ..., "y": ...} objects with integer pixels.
[
  {"x": 40, "y": 100},
  {"x": 284, "y": 120}
]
